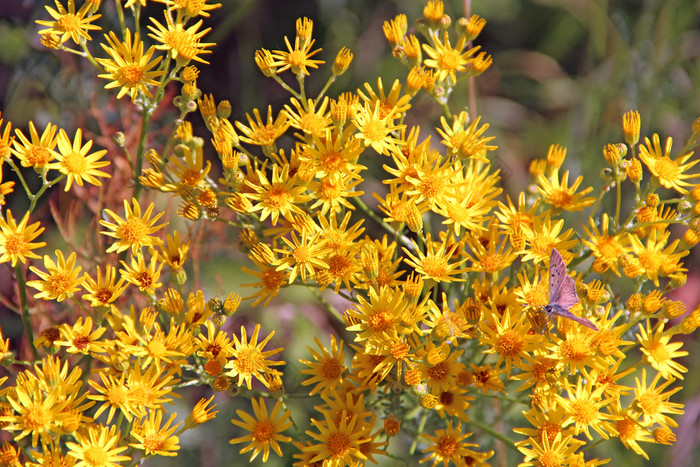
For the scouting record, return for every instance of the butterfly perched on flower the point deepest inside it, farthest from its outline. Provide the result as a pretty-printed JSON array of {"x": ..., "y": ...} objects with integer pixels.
[{"x": 562, "y": 291}]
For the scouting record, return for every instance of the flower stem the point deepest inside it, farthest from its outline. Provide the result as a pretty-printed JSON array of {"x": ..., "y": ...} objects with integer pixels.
[{"x": 24, "y": 304}]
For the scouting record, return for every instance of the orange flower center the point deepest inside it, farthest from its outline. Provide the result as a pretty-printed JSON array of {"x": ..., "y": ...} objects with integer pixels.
[
  {"x": 438, "y": 372},
  {"x": 69, "y": 22},
  {"x": 446, "y": 446},
  {"x": 74, "y": 163},
  {"x": 510, "y": 343},
  {"x": 338, "y": 444},
  {"x": 131, "y": 74},
  {"x": 263, "y": 432}
]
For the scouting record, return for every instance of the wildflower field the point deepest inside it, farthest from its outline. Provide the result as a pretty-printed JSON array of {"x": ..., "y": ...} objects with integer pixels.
[{"x": 391, "y": 233}]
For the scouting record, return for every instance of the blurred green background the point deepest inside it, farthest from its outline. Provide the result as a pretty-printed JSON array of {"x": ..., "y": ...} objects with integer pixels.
[{"x": 564, "y": 72}]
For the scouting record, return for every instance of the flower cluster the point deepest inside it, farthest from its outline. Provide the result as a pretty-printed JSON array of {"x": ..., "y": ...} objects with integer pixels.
[{"x": 439, "y": 279}]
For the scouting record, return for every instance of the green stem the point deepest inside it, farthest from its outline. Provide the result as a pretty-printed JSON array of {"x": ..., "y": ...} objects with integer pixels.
[
  {"x": 421, "y": 427},
  {"x": 24, "y": 304},
  {"x": 145, "y": 117},
  {"x": 499, "y": 436}
]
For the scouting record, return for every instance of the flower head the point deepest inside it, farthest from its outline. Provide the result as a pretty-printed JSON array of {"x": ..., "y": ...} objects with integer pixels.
[
  {"x": 265, "y": 430},
  {"x": 135, "y": 230},
  {"x": 74, "y": 161},
  {"x": 16, "y": 239}
]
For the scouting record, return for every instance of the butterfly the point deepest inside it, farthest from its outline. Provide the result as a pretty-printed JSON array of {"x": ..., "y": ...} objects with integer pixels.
[{"x": 562, "y": 291}]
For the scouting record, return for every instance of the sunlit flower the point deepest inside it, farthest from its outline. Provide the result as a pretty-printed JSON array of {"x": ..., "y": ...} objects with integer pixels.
[
  {"x": 16, "y": 239},
  {"x": 183, "y": 44},
  {"x": 80, "y": 338},
  {"x": 142, "y": 275},
  {"x": 445, "y": 59},
  {"x": 60, "y": 279},
  {"x": 134, "y": 231},
  {"x": 670, "y": 173},
  {"x": 447, "y": 445},
  {"x": 328, "y": 368},
  {"x": 660, "y": 352},
  {"x": 155, "y": 439},
  {"x": 36, "y": 152},
  {"x": 297, "y": 58},
  {"x": 129, "y": 68},
  {"x": 98, "y": 442},
  {"x": 560, "y": 195},
  {"x": 74, "y": 161},
  {"x": 375, "y": 130},
  {"x": 249, "y": 359},
  {"x": 653, "y": 403},
  {"x": 435, "y": 263},
  {"x": 265, "y": 430},
  {"x": 263, "y": 134},
  {"x": 69, "y": 24}
]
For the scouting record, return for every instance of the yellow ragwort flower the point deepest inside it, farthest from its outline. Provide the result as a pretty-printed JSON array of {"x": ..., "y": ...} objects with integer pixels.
[
  {"x": 154, "y": 439},
  {"x": 16, "y": 239},
  {"x": 134, "y": 231},
  {"x": 69, "y": 24},
  {"x": 98, "y": 442},
  {"x": 249, "y": 360},
  {"x": 265, "y": 430},
  {"x": 128, "y": 67},
  {"x": 183, "y": 44},
  {"x": 38, "y": 151},
  {"x": 669, "y": 172},
  {"x": 60, "y": 281},
  {"x": 75, "y": 163}
]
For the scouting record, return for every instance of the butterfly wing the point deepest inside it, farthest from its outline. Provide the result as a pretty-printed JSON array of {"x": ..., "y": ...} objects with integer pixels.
[
  {"x": 559, "y": 311},
  {"x": 567, "y": 293},
  {"x": 557, "y": 272}
]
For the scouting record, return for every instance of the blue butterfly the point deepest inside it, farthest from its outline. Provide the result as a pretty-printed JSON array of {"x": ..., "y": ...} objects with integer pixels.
[{"x": 562, "y": 292}]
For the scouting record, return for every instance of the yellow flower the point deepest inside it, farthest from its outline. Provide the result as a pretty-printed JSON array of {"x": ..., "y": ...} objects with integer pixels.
[
  {"x": 546, "y": 452},
  {"x": 631, "y": 431},
  {"x": 183, "y": 44},
  {"x": 654, "y": 258},
  {"x": 583, "y": 407},
  {"x": 378, "y": 321},
  {"x": 142, "y": 275},
  {"x": 328, "y": 369},
  {"x": 660, "y": 352},
  {"x": 80, "y": 338},
  {"x": 334, "y": 153},
  {"x": 508, "y": 336},
  {"x": 129, "y": 68},
  {"x": 465, "y": 142},
  {"x": 103, "y": 291},
  {"x": 375, "y": 130},
  {"x": 60, "y": 279},
  {"x": 653, "y": 404},
  {"x": 173, "y": 252},
  {"x": 16, "y": 239},
  {"x": 608, "y": 249},
  {"x": 434, "y": 263},
  {"x": 191, "y": 8},
  {"x": 98, "y": 442},
  {"x": 270, "y": 282},
  {"x": 391, "y": 105},
  {"x": 264, "y": 429},
  {"x": 486, "y": 378},
  {"x": 277, "y": 197},
  {"x": 439, "y": 367},
  {"x": 69, "y": 24},
  {"x": 115, "y": 395},
  {"x": 263, "y": 134},
  {"x": 309, "y": 119},
  {"x": 338, "y": 443},
  {"x": 445, "y": 59},
  {"x": 250, "y": 360},
  {"x": 560, "y": 195},
  {"x": 670, "y": 173},
  {"x": 447, "y": 445},
  {"x": 544, "y": 235},
  {"x": 297, "y": 58},
  {"x": 303, "y": 255},
  {"x": 74, "y": 161},
  {"x": 332, "y": 193},
  {"x": 155, "y": 439},
  {"x": 38, "y": 152},
  {"x": 134, "y": 231}
]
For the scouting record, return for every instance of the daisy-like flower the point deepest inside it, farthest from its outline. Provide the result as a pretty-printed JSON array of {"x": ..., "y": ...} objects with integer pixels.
[
  {"x": 74, "y": 161},
  {"x": 445, "y": 59},
  {"x": 173, "y": 252},
  {"x": 333, "y": 191},
  {"x": 155, "y": 439},
  {"x": 6, "y": 140},
  {"x": 655, "y": 257},
  {"x": 7, "y": 187},
  {"x": 128, "y": 67},
  {"x": 464, "y": 139},
  {"x": 192, "y": 8},
  {"x": 447, "y": 445},
  {"x": 486, "y": 378},
  {"x": 271, "y": 279},
  {"x": 660, "y": 352},
  {"x": 115, "y": 395},
  {"x": 277, "y": 197},
  {"x": 544, "y": 235},
  {"x": 265, "y": 430},
  {"x": 36, "y": 152},
  {"x": 60, "y": 279},
  {"x": 337, "y": 443},
  {"x": 490, "y": 256},
  {"x": 392, "y": 104},
  {"x": 440, "y": 367},
  {"x": 653, "y": 403},
  {"x": 263, "y": 134},
  {"x": 69, "y": 24},
  {"x": 608, "y": 249},
  {"x": 297, "y": 58},
  {"x": 335, "y": 153},
  {"x": 98, "y": 442},
  {"x": 249, "y": 360},
  {"x": 103, "y": 290},
  {"x": 560, "y": 451},
  {"x": 183, "y": 44},
  {"x": 328, "y": 369},
  {"x": 142, "y": 275},
  {"x": 631, "y": 432},
  {"x": 434, "y": 264},
  {"x": 312, "y": 121},
  {"x": 560, "y": 195},
  {"x": 189, "y": 170},
  {"x": 80, "y": 338},
  {"x": 379, "y": 320},
  {"x": 16, "y": 239},
  {"x": 377, "y": 131},
  {"x": 134, "y": 231},
  {"x": 508, "y": 336},
  {"x": 303, "y": 255},
  {"x": 583, "y": 406},
  {"x": 669, "y": 172}
]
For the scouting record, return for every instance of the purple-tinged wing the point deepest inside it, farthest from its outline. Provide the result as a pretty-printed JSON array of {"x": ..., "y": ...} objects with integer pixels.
[
  {"x": 569, "y": 315},
  {"x": 557, "y": 273},
  {"x": 567, "y": 293}
]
